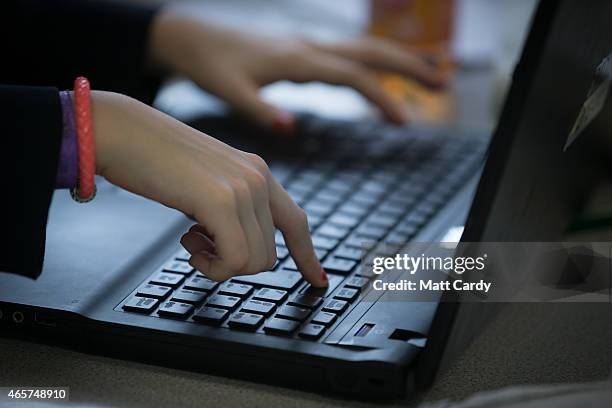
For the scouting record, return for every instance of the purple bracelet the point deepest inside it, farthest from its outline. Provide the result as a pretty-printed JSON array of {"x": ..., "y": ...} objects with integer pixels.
[{"x": 67, "y": 170}]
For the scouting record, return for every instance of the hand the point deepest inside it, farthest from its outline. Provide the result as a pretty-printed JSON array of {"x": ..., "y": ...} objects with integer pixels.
[
  {"x": 231, "y": 194},
  {"x": 233, "y": 65}
]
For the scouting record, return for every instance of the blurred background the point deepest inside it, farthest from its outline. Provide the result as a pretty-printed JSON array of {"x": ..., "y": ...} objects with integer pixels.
[{"x": 476, "y": 41}]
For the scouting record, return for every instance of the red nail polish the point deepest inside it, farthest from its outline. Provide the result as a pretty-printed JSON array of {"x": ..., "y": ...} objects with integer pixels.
[
  {"x": 324, "y": 276},
  {"x": 283, "y": 122}
]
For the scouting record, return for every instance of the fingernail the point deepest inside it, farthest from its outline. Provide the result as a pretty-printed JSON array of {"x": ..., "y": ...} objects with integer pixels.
[
  {"x": 193, "y": 243},
  {"x": 324, "y": 276},
  {"x": 201, "y": 262},
  {"x": 283, "y": 122}
]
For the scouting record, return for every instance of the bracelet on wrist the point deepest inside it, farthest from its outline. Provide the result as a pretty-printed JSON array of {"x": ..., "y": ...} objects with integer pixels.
[{"x": 85, "y": 190}]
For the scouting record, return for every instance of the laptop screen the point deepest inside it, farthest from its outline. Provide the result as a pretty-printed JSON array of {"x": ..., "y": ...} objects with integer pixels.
[
  {"x": 544, "y": 154},
  {"x": 547, "y": 152}
]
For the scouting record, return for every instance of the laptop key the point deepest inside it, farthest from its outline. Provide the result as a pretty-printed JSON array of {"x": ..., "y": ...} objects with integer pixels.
[
  {"x": 324, "y": 318},
  {"x": 347, "y": 294},
  {"x": 300, "y": 186},
  {"x": 363, "y": 200},
  {"x": 188, "y": 296},
  {"x": 245, "y": 321},
  {"x": 357, "y": 283},
  {"x": 424, "y": 210},
  {"x": 281, "y": 252},
  {"x": 339, "y": 265},
  {"x": 367, "y": 197},
  {"x": 280, "y": 171},
  {"x": 385, "y": 177},
  {"x": 175, "y": 309},
  {"x": 407, "y": 228},
  {"x": 290, "y": 264},
  {"x": 373, "y": 186},
  {"x": 333, "y": 282},
  {"x": 435, "y": 200},
  {"x": 391, "y": 208},
  {"x": 328, "y": 196},
  {"x": 312, "y": 331},
  {"x": 201, "y": 283},
  {"x": 304, "y": 183},
  {"x": 222, "y": 301},
  {"x": 314, "y": 221},
  {"x": 154, "y": 291},
  {"x": 279, "y": 239},
  {"x": 382, "y": 219},
  {"x": 140, "y": 304},
  {"x": 210, "y": 315},
  {"x": 333, "y": 231},
  {"x": 182, "y": 255},
  {"x": 270, "y": 295},
  {"x": 293, "y": 313},
  {"x": 236, "y": 289},
  {"x": 280, "y": 279},
  {"x": 321, "y": 253},
  {"x": 405, "y": 199},
  {"x": 168, "y": 279},
  {"x": 321, "y": 209},
  {"x": 308, "y": 301},
  {"x": 259, "y": 307},
  {"x": 353, "y": 210},
  {"x": 347, "y": 252},
  {"x": 371, "y": 231},
  {"x": 335, "y": 306},
  {"x": 309, "y": 177},
  {"x": 416, "y": 219},
  {"x": 178, "y": 266},
  {"x": 356, "y": 241},
  {"x": 397, "y": 238},
  {"x": 280, "y": 326},
  {"x": 324, "y": 242},
  {"x": 342, "y": 186},
  {"x": 344, "y": 220}
]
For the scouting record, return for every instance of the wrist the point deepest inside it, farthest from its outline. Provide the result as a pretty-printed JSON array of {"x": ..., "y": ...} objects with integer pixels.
[
  {"x": 172, "y": 44},
  {"x": 160, "y": 47},
  {"x": 107, "y": 123}
]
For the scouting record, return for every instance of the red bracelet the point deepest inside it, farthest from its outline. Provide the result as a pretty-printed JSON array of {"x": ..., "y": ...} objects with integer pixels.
[{"x": 86, "y": 187}]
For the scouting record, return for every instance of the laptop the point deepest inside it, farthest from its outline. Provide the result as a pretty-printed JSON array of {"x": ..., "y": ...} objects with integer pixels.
[{"x": 116, "y": 281}]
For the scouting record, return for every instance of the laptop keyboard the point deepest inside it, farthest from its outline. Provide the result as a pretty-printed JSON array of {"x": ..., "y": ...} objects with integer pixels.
[{"x": 356, "y": 203}]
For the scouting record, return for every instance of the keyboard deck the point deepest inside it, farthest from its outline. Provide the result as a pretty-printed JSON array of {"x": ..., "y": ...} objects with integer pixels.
[{"x": 361, "y": 195}]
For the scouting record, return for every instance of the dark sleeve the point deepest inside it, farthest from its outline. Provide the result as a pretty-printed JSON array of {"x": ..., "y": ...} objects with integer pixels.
[
  {"x": 51, "y": 42},
  {"x": 30, "y": 134},
  {"x": 46, "y": 44}
]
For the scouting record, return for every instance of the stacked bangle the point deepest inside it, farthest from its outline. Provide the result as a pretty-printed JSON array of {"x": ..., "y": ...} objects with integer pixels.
[
  {"x": 86, "y": 188},
  {"x": 68, "y": 168}
]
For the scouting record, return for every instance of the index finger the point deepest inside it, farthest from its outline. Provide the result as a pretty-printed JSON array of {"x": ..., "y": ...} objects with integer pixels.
[
  {"x": 291, "y": 220},
  {"x": 340, "y": 71},
  {"x": 386, "y": 55}
]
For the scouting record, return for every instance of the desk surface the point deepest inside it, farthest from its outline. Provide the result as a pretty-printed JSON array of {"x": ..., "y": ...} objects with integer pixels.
[{"x": 526, "y": 344}]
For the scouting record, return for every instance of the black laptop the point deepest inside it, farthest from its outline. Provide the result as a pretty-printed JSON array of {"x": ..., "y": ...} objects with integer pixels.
[{"x": 116, "y": 281}]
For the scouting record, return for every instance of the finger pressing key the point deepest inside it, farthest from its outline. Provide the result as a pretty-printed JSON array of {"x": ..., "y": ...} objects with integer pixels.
[{"x": 291, "y": 220}]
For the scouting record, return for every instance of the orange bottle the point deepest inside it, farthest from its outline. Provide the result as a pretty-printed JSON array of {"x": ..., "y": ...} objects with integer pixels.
[{"x": 423, "y": 26}]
